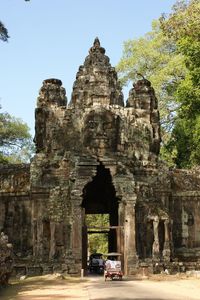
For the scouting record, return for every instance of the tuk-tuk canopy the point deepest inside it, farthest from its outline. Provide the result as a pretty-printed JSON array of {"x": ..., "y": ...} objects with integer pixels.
[{"x": 113, "y": 254}]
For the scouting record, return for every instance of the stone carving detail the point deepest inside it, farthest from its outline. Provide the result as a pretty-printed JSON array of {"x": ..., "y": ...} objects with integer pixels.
[
  {"x": 14, "y": 178},
  {"x": 59, "y": 205},
  {"x": 6, "y": 260},
  {"x": 96, "y": 82},
  {"x": 101, "y": 131},
  {"x": 142, "y": 98},
  {"x": 52, "y": 92},
  {"x": 50, "y": 102},
  {"x": 156, "y": 238}
]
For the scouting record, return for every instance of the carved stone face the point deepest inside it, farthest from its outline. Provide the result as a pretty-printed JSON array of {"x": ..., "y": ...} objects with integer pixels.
[{"x": 100, "y": 131}]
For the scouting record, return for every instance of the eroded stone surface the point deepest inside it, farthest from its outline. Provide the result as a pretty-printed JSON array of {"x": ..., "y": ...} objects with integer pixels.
[{"x": 6, "y": 259}]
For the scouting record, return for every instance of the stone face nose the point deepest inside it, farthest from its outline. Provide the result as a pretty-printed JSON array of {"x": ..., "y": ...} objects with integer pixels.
[{"x": 99, "y": 129}]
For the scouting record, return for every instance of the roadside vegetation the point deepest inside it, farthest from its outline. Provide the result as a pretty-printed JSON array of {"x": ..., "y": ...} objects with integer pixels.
[{"x": 169, "y": 56}]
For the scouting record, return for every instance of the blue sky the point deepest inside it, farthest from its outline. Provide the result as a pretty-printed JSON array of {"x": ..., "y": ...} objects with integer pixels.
[{"x": 51, "y": 38}]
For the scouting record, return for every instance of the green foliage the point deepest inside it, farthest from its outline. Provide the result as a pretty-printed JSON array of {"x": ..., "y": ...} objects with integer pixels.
[
  {"x": 97, "y": 242},
  {"x": 3, "y": 33},
  {"x": 182, "y": 27},
  {"x": 15, "y": 140},
  {"x": 154, "y": 57},
  {"x": 169, "y": 56}
]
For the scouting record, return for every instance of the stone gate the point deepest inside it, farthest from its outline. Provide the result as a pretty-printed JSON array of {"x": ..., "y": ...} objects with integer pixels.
[{"x": 97, "y": 155}]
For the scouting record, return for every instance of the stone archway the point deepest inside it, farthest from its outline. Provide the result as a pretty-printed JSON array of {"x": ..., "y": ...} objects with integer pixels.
[
  {"x": 99, "y": 197},
  {"x": 120, "y": 189}
]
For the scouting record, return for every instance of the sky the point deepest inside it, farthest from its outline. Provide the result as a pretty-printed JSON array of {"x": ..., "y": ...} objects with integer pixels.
[{"x": 51, "y": 38}]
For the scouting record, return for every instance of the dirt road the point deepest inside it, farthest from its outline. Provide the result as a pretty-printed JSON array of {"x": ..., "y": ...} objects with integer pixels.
[
  {"x": 50, "y": 287},
  {"x": 171, "y": 289}
]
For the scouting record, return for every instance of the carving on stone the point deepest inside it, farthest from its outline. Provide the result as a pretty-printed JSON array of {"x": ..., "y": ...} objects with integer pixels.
[
  {"x": 6, "y": 259},
  {"x": 96, "y": 81},
  {"x": 187, "y": 222},
  {"x": 101, "y": 131},
  {"x": 59, "y": 205},
  {"x": 156, "y": 246},
  {"x": 52, "y": 92},
  {"x": 186, "y": 180},
  {"x": 14, "y": 178}
]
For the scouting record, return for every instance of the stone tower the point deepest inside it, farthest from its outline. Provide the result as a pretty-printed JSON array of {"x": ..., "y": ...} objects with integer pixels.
[{"x": 78, "y": 145}]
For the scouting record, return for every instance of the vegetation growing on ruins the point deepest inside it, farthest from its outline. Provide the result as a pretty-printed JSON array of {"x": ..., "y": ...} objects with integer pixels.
[{"x": 169, "y": 56}]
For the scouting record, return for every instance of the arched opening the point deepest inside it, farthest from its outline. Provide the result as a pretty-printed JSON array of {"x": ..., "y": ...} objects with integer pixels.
[{"x": 99, "y": 199}]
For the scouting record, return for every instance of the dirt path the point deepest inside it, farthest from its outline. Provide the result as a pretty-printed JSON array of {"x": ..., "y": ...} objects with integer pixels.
[
  {"x": 155, "y": 288},
  {"x": 47, "y": 287},
  {"x": 51, "y": 287}
]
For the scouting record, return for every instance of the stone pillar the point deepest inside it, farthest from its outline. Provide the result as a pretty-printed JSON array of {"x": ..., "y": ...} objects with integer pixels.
[
  {"x": 120, "y": 237},
  {"x": 166, "y": 250},
  {"x": 171, "y": 238},
  {"x": 52, "y": 240},
  {"x": 39, "y": 238},
  {"x": 130, "y": 256},
  {"x": 34, "y": 230},
  {"x": 2, "y": 215},
  {"x": 77, "y": 236},
  {"x": 156, "y": 246},
  {"x": 120, "y": 231}
]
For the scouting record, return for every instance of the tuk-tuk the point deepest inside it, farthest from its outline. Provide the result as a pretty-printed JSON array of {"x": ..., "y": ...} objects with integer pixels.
[
  {"x": 96, "y": 263},
  {"x": 113, "y": 266}
]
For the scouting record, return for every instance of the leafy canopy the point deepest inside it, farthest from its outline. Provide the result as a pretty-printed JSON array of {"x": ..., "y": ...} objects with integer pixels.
[
  {"x": 15, "y": 140},
  {"x": 169, "y": 56},
  {"x": 4, "y": 32},
  {"x": 97, "y": 242},
  {"x": 182, "y": 27},
  {"x": 154, "y": 57}
]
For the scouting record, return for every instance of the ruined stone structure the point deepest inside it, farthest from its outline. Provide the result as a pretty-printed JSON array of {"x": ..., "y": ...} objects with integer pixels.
[
  {"x": 5, "y": 259},
  {"x": 96, "y": 155}
]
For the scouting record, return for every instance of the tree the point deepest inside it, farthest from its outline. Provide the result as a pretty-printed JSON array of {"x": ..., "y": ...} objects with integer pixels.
[
  {"x": 169, "y": 56},
  {"x": 182, "y": 27},
  {"x": 4, "y": 32},
  {"x": 97, "y": 242},
  {"x": 154, "y": 56},
  {"x": 16, "y": 144}
]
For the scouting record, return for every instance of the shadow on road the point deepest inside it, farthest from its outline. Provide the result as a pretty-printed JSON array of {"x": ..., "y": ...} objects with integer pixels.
[{"x": 40, "y": 288}]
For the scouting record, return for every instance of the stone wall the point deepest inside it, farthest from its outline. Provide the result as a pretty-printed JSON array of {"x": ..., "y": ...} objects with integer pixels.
[
  {"x": 6, "y": 259},
  {"x": 15, "y": 207}
]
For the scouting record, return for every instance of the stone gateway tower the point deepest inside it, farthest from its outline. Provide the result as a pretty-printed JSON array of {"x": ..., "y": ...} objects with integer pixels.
[{"x": 97, "y": 156}]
